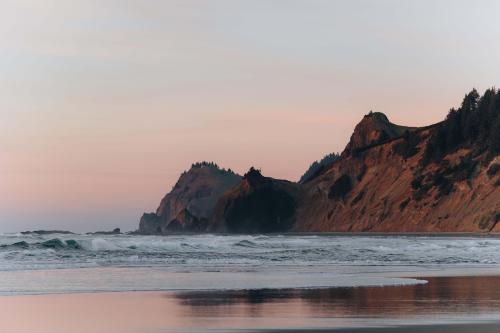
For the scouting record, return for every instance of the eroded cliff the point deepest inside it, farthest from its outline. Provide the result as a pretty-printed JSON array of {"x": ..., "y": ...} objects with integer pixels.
[
  {"x": 390, "y": 178},
  {"x": 189, "y": 206}
]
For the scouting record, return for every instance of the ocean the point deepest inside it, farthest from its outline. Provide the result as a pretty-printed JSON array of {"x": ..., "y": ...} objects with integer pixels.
[
  {"x": 90, "y": 263},
  {"x": 248, "y": 283}
]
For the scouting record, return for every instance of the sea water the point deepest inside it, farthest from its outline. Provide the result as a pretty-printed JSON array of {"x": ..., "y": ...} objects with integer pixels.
[{"x": 58, "y": 263}]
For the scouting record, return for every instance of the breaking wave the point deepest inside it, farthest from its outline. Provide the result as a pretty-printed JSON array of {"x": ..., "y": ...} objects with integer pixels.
[
  {"x": 54, "y": 243},
  {"x": 245, "y": 243},
  {"x": 21, "y": 252}
]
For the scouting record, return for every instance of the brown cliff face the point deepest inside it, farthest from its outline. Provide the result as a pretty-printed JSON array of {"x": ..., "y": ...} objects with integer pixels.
[
  {"x": 440, "y": 178},
  {"x": 191, "y": 202},
  {"x": 373, "y": 129},
  {"x": 257, "y": 205},
  {"x": 390, "y": 178},
  {"x": 387, "y": 188}
]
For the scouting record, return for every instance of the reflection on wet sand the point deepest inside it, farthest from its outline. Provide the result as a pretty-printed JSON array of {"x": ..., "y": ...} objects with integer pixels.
[
  {"x": 442, "y": 296},
  {"x": 442, "y": 300}
]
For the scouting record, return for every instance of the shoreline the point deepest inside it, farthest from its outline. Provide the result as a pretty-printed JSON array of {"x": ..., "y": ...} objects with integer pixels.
[
  {"x": 489, "y": 272},
  {"x": 487, "y": 327},
  {"x": 397, "y": 233},
  {"x": 290, "y": 233},
  {"x": 248, "y": 283},
  {"x": 445, "y": 304},
  {"x": 17, "y": 283}
]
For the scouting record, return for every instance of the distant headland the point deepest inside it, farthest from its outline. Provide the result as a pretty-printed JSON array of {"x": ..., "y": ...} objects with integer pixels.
[{"x": 389, "y": 178}]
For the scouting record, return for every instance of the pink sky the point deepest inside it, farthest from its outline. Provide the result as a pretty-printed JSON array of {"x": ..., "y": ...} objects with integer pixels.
[{"x": 104, "y": 104}]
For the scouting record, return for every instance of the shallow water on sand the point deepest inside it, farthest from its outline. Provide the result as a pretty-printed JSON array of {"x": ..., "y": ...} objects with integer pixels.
[
  {"x": 443, "y": 300},
  {"x": 64, "y": 283}
]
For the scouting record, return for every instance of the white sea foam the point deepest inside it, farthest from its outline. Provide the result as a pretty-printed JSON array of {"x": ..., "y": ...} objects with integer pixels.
[
  {"x": 154, "y": 279},
  {"x": 265, "y": 254},
  {"x": 100, "y": 244}
]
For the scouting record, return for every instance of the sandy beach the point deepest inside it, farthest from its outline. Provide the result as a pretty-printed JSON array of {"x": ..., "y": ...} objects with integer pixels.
[
  {"x": 271, "y": 283},
  {"x": 443, "y": 328},
  {"x": 445, "y": 304}
]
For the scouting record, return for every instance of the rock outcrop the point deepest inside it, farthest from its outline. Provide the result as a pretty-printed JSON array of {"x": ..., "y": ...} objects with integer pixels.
[
  {"x": 439, "y": 178},
  {"x": 375, "y": 128},
  {"x": 189, "y": 206},
  {"x": 115, "y": 231},
  {"x": 257, "y": 205}
]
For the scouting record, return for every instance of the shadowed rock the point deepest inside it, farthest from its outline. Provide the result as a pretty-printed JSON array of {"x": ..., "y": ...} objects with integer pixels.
[
  {"x": 257, "y": 205},
  {"x": 190, "y": 204}
]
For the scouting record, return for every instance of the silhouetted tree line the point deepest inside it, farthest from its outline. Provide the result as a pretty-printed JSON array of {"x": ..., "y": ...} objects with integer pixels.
[
  {"x": 213, "y": 165},
  {"x": 407, "y": 147},
  {"x": 317, "y": 166},
  {"x": 204, "y": 164},
  {"x": 475, "y": 124}
]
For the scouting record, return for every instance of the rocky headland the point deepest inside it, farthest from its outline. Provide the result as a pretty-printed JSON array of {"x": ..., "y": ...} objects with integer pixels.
[{"x": 444, "y": 177}]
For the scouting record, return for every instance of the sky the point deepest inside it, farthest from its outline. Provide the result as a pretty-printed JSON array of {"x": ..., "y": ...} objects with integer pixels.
[{"x": 104, "y": 103}]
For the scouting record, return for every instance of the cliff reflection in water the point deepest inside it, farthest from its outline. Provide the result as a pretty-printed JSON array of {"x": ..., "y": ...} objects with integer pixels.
[
  {"x": 442, "y": 300},
  {"x": 454, "y": 296}
]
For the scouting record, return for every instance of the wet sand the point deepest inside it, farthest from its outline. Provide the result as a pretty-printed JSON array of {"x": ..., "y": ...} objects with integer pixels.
[
  {"x": 445, "y": 304},
  {"x": 449, "y": 328}
]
